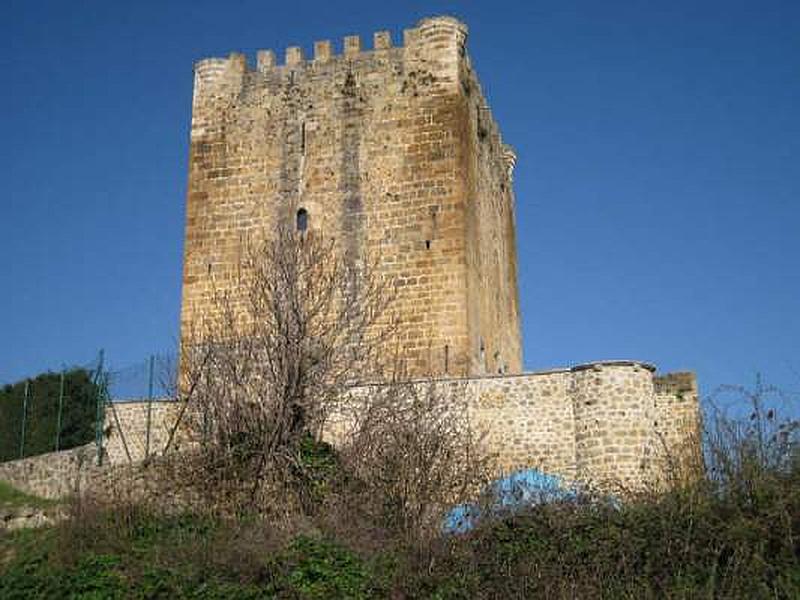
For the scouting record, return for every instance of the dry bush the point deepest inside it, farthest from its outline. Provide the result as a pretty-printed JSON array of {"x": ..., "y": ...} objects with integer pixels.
[
  {"x": 750, "y": 433},
  {"x": 264, "y": 367},
  {"x": 413, "y": 454},
  {"x": 267, "y": 368}
]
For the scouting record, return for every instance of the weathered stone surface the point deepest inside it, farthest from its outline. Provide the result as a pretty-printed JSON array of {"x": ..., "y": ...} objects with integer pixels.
[
  {"x": 52, "y": 475},
  {"x": 609, "y": 423},
  {"x": 127, "y": 430},
  {"x": 391, "y": 151}
]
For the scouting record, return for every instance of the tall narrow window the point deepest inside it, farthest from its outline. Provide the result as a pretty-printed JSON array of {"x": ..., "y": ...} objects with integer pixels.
[
  {"x": 302, "y": 219},
  {"x": 303, "y": 137}
]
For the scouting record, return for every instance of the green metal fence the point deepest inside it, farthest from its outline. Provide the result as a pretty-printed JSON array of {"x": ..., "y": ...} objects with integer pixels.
[{"x": 60, "y": 410}]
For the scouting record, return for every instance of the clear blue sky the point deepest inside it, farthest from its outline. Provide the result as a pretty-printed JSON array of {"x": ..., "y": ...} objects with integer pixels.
[{"x": 658, "y": 181}]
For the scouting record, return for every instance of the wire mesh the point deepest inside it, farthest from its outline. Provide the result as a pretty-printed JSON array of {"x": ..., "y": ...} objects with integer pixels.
[
  {"x": 153, "y": 378},
  {"x": 58, "y": 410}
]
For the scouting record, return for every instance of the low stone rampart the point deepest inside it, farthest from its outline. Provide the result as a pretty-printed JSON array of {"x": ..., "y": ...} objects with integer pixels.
[
  {"x": 611, "y": 423},
  {"x": 52, "y": 475},
  {"x": 608, "y": 423}
]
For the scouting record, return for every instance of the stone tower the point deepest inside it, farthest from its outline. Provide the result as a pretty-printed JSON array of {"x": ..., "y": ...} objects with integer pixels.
[{"x": 392, "y": 151}]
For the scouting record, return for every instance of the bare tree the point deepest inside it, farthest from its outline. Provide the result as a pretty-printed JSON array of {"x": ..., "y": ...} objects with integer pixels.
[
  {"x": 273, "y": 356},
  {"x": 762, "y": 440},
  {"x": 415, "y": 452}
]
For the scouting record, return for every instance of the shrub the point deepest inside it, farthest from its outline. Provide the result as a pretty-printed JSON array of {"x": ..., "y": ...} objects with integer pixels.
[{"x": 41, "y": 420}]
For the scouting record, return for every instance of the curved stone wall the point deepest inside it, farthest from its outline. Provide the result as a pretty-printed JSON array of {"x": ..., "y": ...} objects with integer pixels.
[{"x": 614, "y": 406}]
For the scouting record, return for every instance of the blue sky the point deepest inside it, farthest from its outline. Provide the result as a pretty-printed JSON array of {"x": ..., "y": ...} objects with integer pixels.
[{"x": 658, "y": 188}]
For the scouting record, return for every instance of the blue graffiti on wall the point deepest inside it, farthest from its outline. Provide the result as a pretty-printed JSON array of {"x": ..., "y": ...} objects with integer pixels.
[{"x": 529, "y": 487}]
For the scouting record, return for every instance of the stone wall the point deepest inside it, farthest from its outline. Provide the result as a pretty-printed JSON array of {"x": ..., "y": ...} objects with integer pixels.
[
  {"x": 678, "y": 423},
  {"x": 523, "y": 420},
  {"x": 528, "y": 419},
  {"x": 600, "y": 423},
  {"x": 491, "y": 249},
  {"x": 393, "y": 153},
  {"x": 127, "y": 439},
  {"x": 52, "y": 475},
  {"x": 611, "y": 422},
  {"x": 608, "y": 423},
  {"x": 125, "y": 443}
]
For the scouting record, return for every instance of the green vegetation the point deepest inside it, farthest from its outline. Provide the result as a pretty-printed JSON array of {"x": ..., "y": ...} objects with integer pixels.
[
  {"x": 699, "y": 541},
  {"x": 11, "y": 497},
  {"x": 41, "y": 417},
  {"x": 180, "y": 557},
  {"x": 734, "y": 533},
  {"x": 687, "y": 544}
]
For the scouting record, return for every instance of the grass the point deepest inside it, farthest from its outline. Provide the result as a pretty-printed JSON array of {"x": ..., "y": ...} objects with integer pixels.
[
  {"x": 693, "y": 543},
  {"x": 184, "y": 556},
  {"x": 10, "y": 497}
]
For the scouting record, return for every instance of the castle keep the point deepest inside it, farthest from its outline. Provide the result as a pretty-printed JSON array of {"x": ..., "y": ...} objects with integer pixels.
[{"x": 393, "y": 152}]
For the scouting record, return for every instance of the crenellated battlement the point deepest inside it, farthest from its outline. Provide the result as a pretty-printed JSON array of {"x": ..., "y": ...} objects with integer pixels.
[
  {"x": 438, "y": 32},
  {"x": 432, "y": 55}
]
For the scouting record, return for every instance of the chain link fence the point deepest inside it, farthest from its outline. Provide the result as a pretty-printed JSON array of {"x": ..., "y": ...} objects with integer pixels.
[{"x": 57, "y": 411}]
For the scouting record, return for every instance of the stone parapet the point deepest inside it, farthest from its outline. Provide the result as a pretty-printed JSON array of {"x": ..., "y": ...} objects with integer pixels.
[
  {"x": 52, "y": 475},
  {"x": 441, "y": 33},
  {"x": 609, "y": 423}
]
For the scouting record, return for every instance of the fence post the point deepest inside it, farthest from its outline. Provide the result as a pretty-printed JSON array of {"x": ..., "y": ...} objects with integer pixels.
[
  {"x": 149, "y": 409},
  {"x": 24, "y": 419},
  {"x": 60, "y": 411},
  {"x": 98, "y": 429}
]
